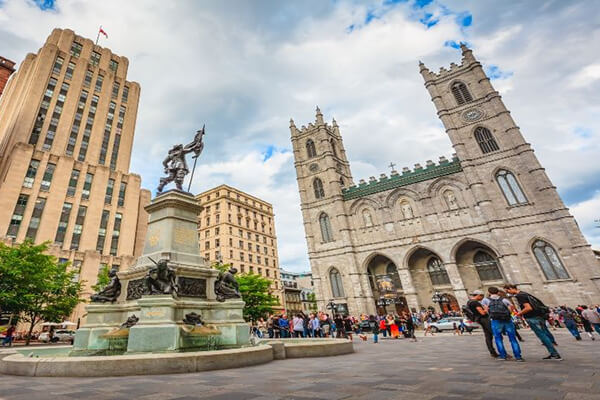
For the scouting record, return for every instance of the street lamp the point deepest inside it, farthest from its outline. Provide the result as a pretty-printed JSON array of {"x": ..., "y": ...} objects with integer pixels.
[
  {"x": 440, "y": 298},
  {"x": 332, "y": 306}
]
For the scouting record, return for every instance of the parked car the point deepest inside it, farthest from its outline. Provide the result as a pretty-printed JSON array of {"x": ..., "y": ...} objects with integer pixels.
[
  {"x": 447, "y": 324},
  {"x": 60, "y": 335}
]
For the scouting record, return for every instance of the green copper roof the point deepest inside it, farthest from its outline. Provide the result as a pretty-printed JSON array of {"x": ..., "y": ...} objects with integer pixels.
[{"x": 407, "y": 178}]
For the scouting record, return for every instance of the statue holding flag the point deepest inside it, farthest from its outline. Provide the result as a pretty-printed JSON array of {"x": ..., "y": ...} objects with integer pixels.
[{"x": 175, "y": 165}]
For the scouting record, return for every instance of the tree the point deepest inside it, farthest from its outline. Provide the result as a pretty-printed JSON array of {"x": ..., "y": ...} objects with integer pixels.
[
  {"x": 255, "y": 293},
  {"x": 103, "y": 279},
  {"x": 34, "y": 285},
  {"x": 312, "y": 299}
]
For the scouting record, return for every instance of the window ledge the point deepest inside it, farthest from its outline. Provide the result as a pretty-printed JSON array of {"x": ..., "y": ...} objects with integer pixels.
[
  {"x": 520, "y": 205},
  {"x": 559, "y": 280}
]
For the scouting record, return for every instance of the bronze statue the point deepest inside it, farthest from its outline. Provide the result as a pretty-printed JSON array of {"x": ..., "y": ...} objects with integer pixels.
[
  {"x": 160, "y": 279},
  {"x": 131, "y": 321},
  {"x": 192, "y": 319},
  {"x": 111, "y": 291},
  {"x": 175, "y": 165},
  {"x": 226, "y": 287}
]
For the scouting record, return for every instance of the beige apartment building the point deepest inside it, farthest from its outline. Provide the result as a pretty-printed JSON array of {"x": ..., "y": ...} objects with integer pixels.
[
  {"x": 239, "y": 229},
  {"x": 67, "y": 121}
]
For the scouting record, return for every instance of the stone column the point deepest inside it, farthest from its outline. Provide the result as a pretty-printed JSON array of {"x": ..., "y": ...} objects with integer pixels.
[
  {"x": 410, "y": 292},
  {"x": 457, "y": 283}
]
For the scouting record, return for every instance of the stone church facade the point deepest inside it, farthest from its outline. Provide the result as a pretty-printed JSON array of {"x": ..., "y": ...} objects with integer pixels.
[{"x": 427, "y": 237}]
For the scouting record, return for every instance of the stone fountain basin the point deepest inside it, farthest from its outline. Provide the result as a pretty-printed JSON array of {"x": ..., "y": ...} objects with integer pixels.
[{"x": 170, "y": 363}]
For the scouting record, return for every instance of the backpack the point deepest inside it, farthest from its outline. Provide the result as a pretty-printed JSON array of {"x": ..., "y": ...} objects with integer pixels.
[
  {"x": 498, "y": 310},
  {"x": 467, "y": 312},
  {"x": 538, "y": 305}
]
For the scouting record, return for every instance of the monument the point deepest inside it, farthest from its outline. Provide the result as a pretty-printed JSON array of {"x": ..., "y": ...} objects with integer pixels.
[{"x": 171, "y": 286}]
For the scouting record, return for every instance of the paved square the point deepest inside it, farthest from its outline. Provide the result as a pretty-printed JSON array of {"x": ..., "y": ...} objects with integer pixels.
[{"x": 442, "y": 367}]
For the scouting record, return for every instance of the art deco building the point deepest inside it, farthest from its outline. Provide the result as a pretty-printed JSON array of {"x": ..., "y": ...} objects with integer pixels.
[
  {"x": 239, "y": 229},
  {"x": 67, "y": 121}
]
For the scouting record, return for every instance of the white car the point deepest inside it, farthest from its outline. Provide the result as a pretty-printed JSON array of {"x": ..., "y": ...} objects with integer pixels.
[
  {"x": 61, "y": 335},
  {"x": 447, "y": 324}
]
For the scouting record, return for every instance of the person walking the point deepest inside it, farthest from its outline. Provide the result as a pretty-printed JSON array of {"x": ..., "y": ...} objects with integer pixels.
[
  {"x": 593, "y": 317},
  {"x": 374, "y": 325},
  {"x": 499, "y": 310},
  {"x": 568, "y": 317},
  {"x": 476, "y": 312},
  {"x": 298, "y": 326},
  {"x": 8, "y": 336},
  {"x": 348, "y": 326},
  {"x": 535, "y": 313}
]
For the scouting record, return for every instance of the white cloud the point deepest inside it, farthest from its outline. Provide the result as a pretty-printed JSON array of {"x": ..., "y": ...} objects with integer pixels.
[{"x": 245, "y": 68}]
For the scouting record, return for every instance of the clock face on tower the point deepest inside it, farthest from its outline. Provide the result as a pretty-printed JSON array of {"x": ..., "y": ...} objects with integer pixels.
[
  {"x": 313, "y": 167},
  {"x": 472, "y": 114}
]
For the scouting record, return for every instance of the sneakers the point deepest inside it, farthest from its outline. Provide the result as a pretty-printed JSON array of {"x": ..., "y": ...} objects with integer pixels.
[
  {"x": 519, "y": 360},
  {"x": 500, "y": 358},
  {"x": 556, "y": 357}
]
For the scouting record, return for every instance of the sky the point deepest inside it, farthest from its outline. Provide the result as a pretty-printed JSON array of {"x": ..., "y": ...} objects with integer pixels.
[{"x": 244, "y": 68}]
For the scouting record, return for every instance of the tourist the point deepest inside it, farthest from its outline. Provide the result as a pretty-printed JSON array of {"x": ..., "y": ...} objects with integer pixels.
[
  {"x": 476, "y": 312},
  {"x": 326, "y": 325},
  {"x": 284, "y": 326},
  {"x": 270, "y": 331},
  {"x": 315, "y": 326},
  {"x": 298, "y": 326},
  {"x": 499, "y": 310},
  {"x": 374, "y": 325},
  {"x": 348, "y": 326},
  {"x": 427, "y": 324},
  {"x": 8, "y": 336},
  {"x": 592, "y": 317},
  {"x": 568, "y": 317},
  {"x": 382, "y": 326},
  {"x": 535, "y": 313},
  {"x": 410, "y": 327},
  {"x": 339, "y": 326},
  {"x": 393, "y": 328}
]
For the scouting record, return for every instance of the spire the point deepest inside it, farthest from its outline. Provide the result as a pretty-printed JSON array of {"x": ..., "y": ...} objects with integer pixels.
[
  {"x": 319, "y": 119},
  {"x": 467, "y": 54},
  {"x": 425, "y": 72},
  {"x": 293, "y": 128},
  {"x": 334, "y": 123}
]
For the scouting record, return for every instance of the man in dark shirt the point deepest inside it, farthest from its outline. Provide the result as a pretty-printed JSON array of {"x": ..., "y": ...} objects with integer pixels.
[
  {"x": 483, "y": 319},
  {"x": 534, "y": 314}
]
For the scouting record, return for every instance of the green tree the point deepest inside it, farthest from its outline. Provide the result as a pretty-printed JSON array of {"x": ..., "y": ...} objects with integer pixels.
[
  {"x": 103, "y": 279},
  {"x": 35, "y": 286},
  {"x": 312, "y": 298}
]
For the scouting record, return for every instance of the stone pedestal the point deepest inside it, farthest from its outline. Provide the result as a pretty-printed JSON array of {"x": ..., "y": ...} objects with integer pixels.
[
  {"x": 157, "y": 330},
  {"x": 101, "y": 318}
]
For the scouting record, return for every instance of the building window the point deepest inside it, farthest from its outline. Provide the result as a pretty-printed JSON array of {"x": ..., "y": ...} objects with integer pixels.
[
  {"x": 549, "y": 261},
  {"x": 99, "y": 81},
  {"x": 47, "y": 177},
  {"x": 87, "y": 186},
  {"x": 102, "y": 231},
  {"x": 326, "y": 231},
  {"x": 78, "y": 228},
  {"x": 122, "y": 190},
  {"x": 31, "y": 173},
  {"x": 318, "y": 188},
  {"x": 207, "y": 245},
  {"x": 115, "y": 90},
  {"x": 437, "y": 272},
  {"x": 63, "y": 223},
  {"x": 114, "y": 243},
  {"x": 58, "y": 63},
  {"x": 107, "y": 129},
  {"x": 41, "y": 116},
  {"x": 486, "y": 266},
  {"x": 73, "y": 183},
  {"x": 88, "y": 129},
  {"x": 461, "y": 93},
  {"x": 510, "y": 187},
  {"x": 485, "y": 140},
  {"x": 76, "y": 123},
  {"x": 88, "y": 78},
  {"x": 95, "y": 58},
  {"x": 69, "y": 72},
  {"x": 76, "y": 49},
  {"x": 77, "y": 268},
  {"x": 36, "y": 216},
  {"x": 125, "y": 94},
  {"x": 337, "y": 288},
  {"x": 17, "y": 217},
  {"x": 113, "y": 65},
  {"x": 311, "y": 151},
  {"x": 58, "y": 107},
  {"x": 109, "y": 191}
]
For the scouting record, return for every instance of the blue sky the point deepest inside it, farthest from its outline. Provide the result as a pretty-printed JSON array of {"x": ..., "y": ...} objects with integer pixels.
[{"x": 244, "y": 68}]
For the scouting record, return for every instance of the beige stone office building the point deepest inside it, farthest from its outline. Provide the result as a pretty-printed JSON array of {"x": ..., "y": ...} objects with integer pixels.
[
  {"x": 239, "y": 229},
  {"x": 489, "y": 215},
  {"x": 67, "y": 121}
]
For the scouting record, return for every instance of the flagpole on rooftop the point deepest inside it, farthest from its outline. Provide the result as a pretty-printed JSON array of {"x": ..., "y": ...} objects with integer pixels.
[{"x": 98, "y": 35}]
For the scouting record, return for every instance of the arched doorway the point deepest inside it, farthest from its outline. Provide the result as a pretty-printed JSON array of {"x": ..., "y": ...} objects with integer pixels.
[
  {"x": 429, "y": 276},
  {"x": 478, "y": 265},
  {"x": 386, "y": 286},
  {"x": 451, "y": 304}
]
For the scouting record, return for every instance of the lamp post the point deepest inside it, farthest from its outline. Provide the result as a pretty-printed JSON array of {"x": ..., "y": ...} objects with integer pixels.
[
  {"x": 439, "y": 298},
  {"x": 332, "y": 306}
]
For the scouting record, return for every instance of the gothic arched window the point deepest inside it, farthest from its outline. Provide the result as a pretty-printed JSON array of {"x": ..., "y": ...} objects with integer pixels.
[
  {"x": 392, "y": 272},
  {"x": 485, "y": 140},
  {"x": 551, "y": 265},
  {"x": 337, "y": 289},
  {"x": 461, "y": 93},
  {"x": 510, "y": 187},
  {"x": 318, "y": 187},
  {"x": 486, "y": 266},
  {"x": 333, "y": 149},
  {"x": 311, "y": 150},
  {"x": 437, "y": 272},
  {"x": 326, "y": 232}
]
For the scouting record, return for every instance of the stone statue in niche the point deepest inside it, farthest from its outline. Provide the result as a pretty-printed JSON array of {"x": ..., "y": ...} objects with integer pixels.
[
  {"x": 226, "y": 286},
  {"x": 160, "y": 279},
  {"x": 111, "y": 291},
  {"x": 367, "y": 218},
  {"x": 451, "y": 199},
  {"x": 407, "y": 210}
]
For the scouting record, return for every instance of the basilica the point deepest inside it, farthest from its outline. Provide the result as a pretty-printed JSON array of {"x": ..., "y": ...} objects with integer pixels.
[{"x": 427, "y": 237}]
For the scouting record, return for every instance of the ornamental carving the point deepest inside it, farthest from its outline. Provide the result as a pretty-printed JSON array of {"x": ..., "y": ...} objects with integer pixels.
[
  {"x": 472, "y": 114},
  {"x": 314, "y": 167},
  {"x": 135, "y": 289},
  {"x": 192, "y": 287}
]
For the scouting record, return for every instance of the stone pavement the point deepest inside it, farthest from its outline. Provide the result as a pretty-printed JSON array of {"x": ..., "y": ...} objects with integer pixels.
[{"x": 442, "y": 367}]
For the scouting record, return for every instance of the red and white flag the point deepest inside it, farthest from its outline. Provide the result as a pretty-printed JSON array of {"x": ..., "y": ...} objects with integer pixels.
[{"x": 102, "y": 32}]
